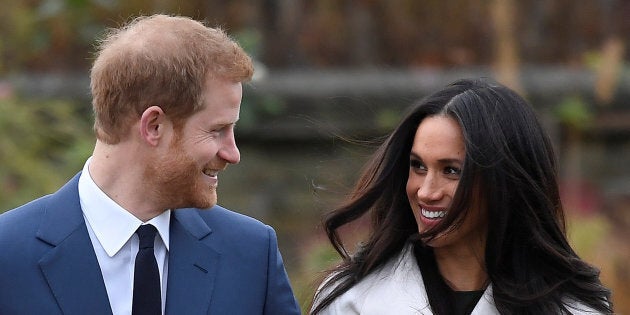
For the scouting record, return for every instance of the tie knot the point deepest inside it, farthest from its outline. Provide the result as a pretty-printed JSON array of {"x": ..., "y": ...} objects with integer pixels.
[{"x": 146, "y": 235}]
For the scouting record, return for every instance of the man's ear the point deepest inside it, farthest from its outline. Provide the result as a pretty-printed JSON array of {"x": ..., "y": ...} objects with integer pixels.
[{"x": 153, "y": 124}]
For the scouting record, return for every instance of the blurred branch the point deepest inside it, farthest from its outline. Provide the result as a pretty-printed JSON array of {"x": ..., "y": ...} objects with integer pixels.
[
  {"x": 507, "y": 59},
  {"x": 609, "y": 70}
]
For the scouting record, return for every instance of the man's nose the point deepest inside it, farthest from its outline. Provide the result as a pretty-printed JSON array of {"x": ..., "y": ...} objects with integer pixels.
[{"x": 229, "y": 152}]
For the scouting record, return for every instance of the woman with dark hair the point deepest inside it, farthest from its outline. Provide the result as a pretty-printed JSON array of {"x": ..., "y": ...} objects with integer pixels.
[{"x": 466, "y": 217}]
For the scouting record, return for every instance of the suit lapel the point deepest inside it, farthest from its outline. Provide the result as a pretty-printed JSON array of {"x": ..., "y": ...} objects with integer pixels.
[
  {"x": 192, "y": 265},
  {"x": 70, "y": 267}
]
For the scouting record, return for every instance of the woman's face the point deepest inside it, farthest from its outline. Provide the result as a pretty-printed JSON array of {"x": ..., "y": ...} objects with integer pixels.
[{"x": 435, "y": 167}]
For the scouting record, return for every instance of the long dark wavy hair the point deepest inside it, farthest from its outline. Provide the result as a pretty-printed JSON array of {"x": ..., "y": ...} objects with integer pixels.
[{"x": 510, "y": 165}]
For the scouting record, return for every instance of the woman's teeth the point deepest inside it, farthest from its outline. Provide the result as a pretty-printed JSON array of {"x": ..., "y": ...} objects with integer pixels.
[{"x": 432, "y": 214}]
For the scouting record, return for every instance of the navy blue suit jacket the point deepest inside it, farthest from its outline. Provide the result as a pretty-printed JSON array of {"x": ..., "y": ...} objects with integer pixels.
[{"x": 220, "y": 262}]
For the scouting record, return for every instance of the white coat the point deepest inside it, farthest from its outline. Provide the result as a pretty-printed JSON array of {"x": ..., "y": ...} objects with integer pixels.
[{"x": 397, "y": 288}]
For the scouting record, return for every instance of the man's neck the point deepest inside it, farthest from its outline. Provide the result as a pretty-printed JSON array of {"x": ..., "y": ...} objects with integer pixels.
[{"x": 119, "y": 176}]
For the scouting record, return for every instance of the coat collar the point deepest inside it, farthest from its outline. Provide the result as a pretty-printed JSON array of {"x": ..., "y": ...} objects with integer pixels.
[
  {"x": 400, "y": 283},
  {"x": 409, "y": 265},
  {"x": 70, "y": 266}
]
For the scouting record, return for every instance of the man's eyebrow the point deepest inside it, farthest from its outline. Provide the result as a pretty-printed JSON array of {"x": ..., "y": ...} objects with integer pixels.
[{"x": 225, "y": 124}]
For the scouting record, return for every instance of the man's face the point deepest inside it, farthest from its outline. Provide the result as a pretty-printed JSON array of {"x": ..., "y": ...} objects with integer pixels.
[{"x": 187, "y": 174}]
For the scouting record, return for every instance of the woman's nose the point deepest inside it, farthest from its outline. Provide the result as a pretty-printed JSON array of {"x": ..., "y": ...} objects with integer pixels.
[{"x": 430, "y": 189}]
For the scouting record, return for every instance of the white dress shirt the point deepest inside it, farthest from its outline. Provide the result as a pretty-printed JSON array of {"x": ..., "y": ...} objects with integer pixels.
[{"x": 112, "y": 232}]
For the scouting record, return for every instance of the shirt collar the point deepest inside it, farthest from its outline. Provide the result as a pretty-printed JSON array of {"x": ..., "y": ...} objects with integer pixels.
[{"x": 111, "y": 223}]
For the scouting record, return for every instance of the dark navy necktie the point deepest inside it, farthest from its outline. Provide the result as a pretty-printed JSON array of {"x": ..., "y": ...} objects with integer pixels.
[{"x": 147, "y": 294}]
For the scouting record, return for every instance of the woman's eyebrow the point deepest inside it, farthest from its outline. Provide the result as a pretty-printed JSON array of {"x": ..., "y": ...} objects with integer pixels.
[{"x": 442, "y": 161}]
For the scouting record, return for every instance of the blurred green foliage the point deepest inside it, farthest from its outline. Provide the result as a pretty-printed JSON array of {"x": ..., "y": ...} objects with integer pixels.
[
  {"x": 57, "y": 34},
  {"x": 387, "y": 118},
  {"x": 43, "y": 144},
  {"x": 319, "y": 257},
  {"x": 574, "y": 112},
  {"x": 48, "y": 34},
  {"x": 587, "y": 234}
]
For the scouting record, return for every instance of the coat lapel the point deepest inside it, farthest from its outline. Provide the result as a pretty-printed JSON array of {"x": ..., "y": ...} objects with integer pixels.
[
  {"x": 485, "y": 304},
  {"x": 71, "y": 267},
  {"x": 192, "y": 265},
  {"x": 410, "y": 274}
]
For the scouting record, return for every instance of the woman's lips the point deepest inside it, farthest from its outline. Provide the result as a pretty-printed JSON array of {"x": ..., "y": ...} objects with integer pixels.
[{"x": 431, "y": 216}]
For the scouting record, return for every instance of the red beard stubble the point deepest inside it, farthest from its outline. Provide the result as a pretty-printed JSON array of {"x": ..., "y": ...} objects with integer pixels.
[{"x": 174, "y": 180}]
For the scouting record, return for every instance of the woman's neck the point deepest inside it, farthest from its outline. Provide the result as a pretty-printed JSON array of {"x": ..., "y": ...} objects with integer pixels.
[{"x": 462, "y": 268}]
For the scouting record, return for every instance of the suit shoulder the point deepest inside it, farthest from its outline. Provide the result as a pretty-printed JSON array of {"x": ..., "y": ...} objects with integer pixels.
[
  {"x": 228, "y": 227},
  {"x": 25, "y": 214},
  {"x": 233, "y": 225},
  {"x": 18, "y": 229},
  {"x": 36, "y": 208},
  {"x": 228, "y": 218}
]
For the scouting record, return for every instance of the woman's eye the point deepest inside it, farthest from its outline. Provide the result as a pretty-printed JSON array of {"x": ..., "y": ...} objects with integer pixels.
[
  {"x": 415, "y": 164},
  {"x": 452, "y": 171}
]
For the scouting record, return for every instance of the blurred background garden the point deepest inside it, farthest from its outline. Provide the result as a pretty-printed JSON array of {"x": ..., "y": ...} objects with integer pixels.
[{"x": 333, "y": 77}]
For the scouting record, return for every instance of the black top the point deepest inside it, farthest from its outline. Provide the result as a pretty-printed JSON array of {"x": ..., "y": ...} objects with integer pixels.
[
  {"x": 465, "y": 301},
  {"x": 442, "y": 298}
]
